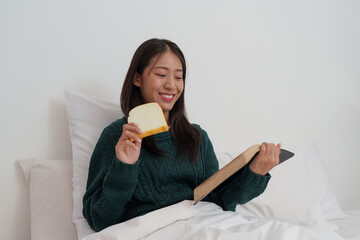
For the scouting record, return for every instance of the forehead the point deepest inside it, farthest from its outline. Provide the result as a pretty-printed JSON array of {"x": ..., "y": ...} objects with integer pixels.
[{"x": 168, "y": 60}]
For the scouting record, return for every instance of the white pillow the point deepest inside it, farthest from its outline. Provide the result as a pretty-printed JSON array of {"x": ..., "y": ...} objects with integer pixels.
[
  {"x": 299, "y": 190},
  {"x": 87, "y": 118},
  {"x": 288, "y": 197},
  {"x": 51, "y": 202},
  {"x": 320, "y": 181}
]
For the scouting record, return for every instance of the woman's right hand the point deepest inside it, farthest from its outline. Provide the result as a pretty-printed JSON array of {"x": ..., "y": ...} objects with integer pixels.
[{"x": 126, "y": 150}]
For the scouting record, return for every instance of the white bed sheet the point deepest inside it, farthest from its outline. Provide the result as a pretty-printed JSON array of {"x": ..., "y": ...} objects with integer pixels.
[
  {"x": 208, "y": 221},
  {"x": 349, "y": 227},
  {"x": 179, "y": 221}
]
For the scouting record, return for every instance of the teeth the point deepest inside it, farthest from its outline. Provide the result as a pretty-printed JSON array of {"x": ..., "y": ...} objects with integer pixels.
[{"x": 167, "y": 96}]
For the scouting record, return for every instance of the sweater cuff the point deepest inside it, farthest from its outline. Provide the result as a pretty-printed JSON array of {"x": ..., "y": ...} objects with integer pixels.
[
  {"x": 121, "y": 176},
  {"x": 123, "y": 170},
  {"x": 249, "y": 179}
]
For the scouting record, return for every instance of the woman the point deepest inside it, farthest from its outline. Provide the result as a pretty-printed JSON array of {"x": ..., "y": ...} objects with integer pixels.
[{"x": 127, "y": 179}]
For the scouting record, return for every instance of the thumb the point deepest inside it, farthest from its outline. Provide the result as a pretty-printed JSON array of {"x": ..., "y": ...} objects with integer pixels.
[{"x": 263, "y": 148}]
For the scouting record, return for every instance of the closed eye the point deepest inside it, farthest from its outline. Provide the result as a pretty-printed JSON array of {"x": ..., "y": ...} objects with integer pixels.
[{"x": 161, "y": 75}]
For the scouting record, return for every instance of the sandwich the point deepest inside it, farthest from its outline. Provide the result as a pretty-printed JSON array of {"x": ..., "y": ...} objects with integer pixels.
[{"x": 150, "y": 119}]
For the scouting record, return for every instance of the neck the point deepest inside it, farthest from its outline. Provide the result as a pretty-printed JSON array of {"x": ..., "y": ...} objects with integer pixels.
[{"x": 166, "y": 114}]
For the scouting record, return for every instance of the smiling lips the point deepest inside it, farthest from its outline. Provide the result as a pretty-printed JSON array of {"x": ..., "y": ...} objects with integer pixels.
[{"x": 167, "y": 97}]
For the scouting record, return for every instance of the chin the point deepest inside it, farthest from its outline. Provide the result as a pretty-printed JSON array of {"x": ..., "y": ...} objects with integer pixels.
[{"x": 166, "y": 108}]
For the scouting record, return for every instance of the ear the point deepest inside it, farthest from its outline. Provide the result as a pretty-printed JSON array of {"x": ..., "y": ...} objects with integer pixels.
[{"x": 137, "y": 80}]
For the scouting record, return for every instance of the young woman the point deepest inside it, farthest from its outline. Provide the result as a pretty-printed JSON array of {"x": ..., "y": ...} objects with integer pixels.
[{"x": 127, "y": 179}]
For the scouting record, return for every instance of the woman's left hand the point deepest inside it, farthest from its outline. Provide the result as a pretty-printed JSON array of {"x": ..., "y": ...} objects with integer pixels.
[{"x": 266, "y": 159}]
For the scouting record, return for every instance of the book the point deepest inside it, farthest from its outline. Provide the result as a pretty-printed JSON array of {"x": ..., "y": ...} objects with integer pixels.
[{"x": 221, "y": 178}]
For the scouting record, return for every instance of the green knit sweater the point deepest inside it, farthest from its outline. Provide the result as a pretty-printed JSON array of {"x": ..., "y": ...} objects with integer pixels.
[{"x": 117, "y": 191}]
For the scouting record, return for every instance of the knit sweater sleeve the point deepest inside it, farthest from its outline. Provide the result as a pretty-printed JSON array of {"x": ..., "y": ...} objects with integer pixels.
[
  {"x": 110, "y": 183},
  {"x": 241, "y": 188}
]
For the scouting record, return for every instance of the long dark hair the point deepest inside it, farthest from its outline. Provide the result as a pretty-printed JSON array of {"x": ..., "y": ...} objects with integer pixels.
[{"x": 186, "y": 136}]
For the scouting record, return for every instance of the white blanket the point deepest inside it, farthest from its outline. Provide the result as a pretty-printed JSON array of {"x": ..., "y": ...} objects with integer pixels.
[{"x": 208, "y": 221}]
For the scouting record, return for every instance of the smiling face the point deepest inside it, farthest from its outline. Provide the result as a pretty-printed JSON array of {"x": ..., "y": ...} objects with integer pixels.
[{"x": 162, "y": 81}]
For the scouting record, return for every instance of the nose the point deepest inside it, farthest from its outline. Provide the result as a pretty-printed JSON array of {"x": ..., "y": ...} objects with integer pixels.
[{"x": 170, "y": 83}]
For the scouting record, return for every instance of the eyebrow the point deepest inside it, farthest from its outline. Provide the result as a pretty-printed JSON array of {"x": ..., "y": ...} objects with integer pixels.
[{"x": 163, "y": 67}]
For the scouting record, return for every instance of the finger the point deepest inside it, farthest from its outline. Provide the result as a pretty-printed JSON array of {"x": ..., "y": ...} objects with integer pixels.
[
  {"x": 267, "y": 148},
  {"x": 125, "y": 145},
  {"x": 131, "y": 145},
  {"x": 278, "y": 148},
  {"x": 132, "y": 135},
  {"x": 132, "y": 127},
  {"x": 276, "y": 153},
  {"x": 263, "y": 149},
  {"x": 138, "y": 144},
  {"x": 135, "y": 147},
  {"x": 271, "y": 150}
]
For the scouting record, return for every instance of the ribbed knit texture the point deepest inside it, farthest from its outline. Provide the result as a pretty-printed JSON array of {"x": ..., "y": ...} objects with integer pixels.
[{"x": 117, "y": 191}]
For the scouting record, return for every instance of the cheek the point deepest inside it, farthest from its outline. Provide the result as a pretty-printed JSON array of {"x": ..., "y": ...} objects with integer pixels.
[
  {"x": 151, "y": 85},
  {"x": 180, "y": 86}
]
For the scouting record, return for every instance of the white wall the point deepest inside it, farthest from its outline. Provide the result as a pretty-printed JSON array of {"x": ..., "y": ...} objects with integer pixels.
[{"x": 282, "y": 71}]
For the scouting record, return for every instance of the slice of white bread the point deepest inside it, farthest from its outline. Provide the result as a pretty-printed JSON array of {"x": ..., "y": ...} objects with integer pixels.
[{"x": 150, "y": 119}]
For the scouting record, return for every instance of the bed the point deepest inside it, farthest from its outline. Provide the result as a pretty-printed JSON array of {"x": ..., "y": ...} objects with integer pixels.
[{"x": 299, "y": 202}]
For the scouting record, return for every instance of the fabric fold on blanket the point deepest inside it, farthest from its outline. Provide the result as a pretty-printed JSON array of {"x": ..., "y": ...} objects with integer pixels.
[
  {"x": 208, "y": 221},
  {"x": 142, "y": 226}
]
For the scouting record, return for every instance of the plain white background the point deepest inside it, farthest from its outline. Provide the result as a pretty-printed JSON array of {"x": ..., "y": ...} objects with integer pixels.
[{"x": 280, "y": 71}]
